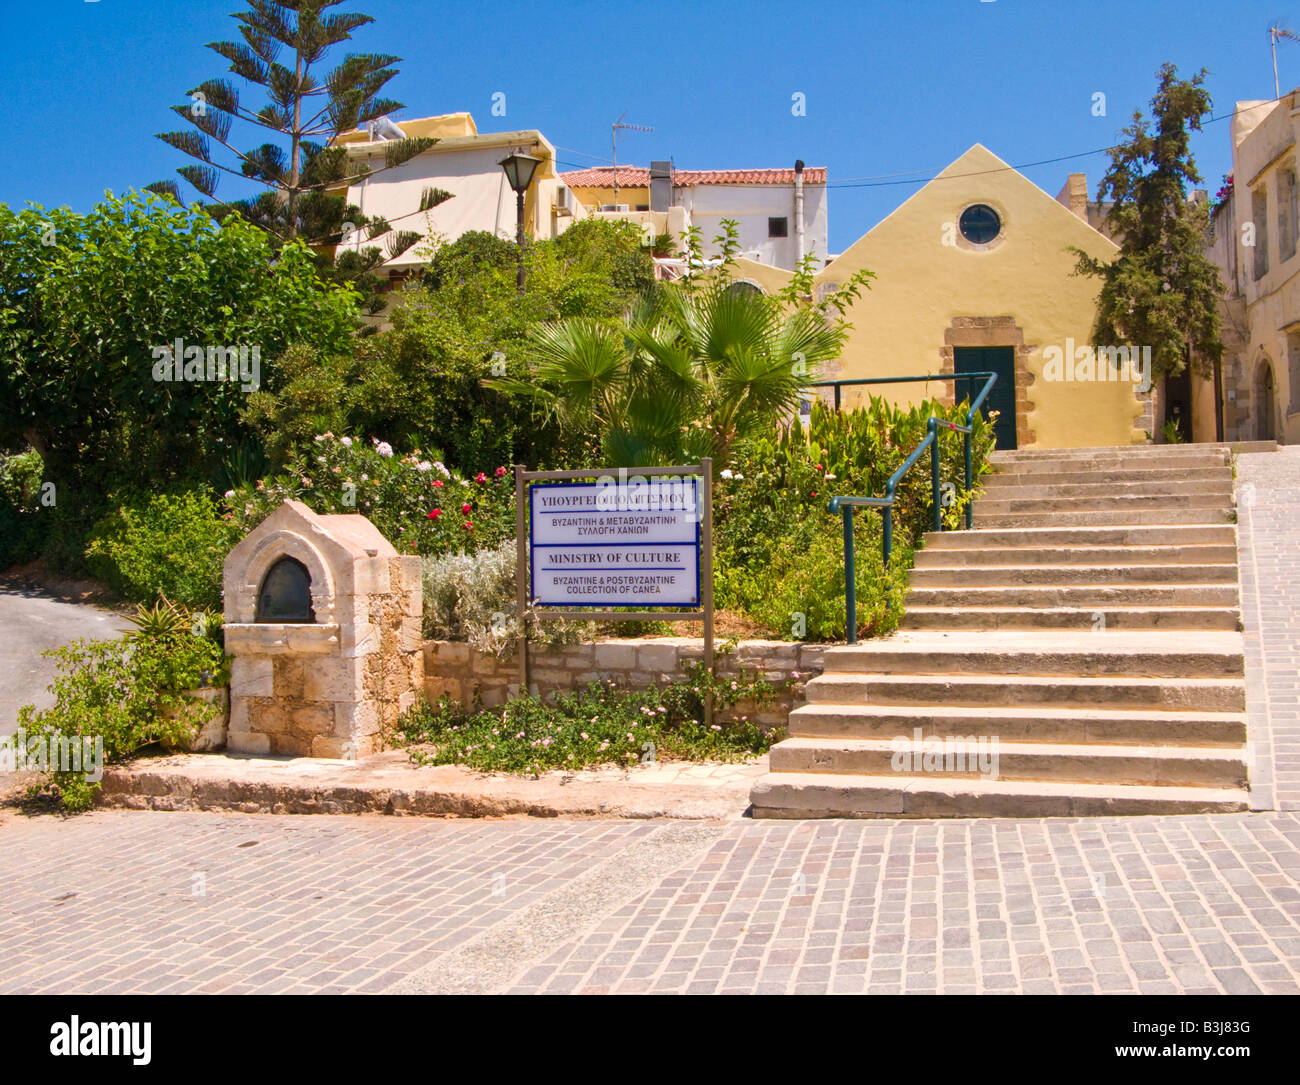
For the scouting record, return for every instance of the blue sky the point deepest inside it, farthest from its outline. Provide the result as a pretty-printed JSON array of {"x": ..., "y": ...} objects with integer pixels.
[{"x": 900, "y": 87}]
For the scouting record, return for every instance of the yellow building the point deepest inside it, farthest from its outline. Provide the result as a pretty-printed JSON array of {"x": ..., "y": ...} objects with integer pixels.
[{"x": 974, "y": 272}]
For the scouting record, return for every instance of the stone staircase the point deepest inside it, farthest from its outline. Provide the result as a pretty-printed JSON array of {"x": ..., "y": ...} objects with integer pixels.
[{"x": 1088, "y": 624}]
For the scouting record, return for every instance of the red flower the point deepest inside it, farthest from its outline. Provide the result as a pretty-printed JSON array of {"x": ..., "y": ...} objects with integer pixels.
[
  {"x": 465, "y": 509},
  {"x": 819, "y": 467},
  {"x": 434, "y": 514},
  {"x": 813, "y": 494},
  {"x": 469, "y": 525},
  {"x": 480, "y": 477},
  {"x": 437, "y": 482},
  {"x": 501, "y": 472}
]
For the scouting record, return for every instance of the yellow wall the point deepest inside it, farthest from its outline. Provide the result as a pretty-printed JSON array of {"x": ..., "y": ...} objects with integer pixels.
[
  {"x": 596, "y": 198},
  {"x": 923, "y": 284}
]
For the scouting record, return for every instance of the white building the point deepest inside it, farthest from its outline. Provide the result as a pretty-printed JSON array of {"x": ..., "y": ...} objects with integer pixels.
[
  {"x": 466, "y": 164},
  {"x": 781, "y": 214}
]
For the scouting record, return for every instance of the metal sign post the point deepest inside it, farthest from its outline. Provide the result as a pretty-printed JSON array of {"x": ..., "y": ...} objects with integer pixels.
[{"x": 634, "y": 536}]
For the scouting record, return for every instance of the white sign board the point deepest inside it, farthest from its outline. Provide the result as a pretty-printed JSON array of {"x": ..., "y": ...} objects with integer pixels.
[{"x": 623, "y": 543}]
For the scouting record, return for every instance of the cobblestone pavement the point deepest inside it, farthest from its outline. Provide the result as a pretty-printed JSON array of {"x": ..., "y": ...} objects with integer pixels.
[
  {"x": 125, "y": 901},
  {"x": 112, "y": 902}
]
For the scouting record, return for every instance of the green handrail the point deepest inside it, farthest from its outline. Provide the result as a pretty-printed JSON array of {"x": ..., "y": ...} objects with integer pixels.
[{"x": 846, "y": 504}]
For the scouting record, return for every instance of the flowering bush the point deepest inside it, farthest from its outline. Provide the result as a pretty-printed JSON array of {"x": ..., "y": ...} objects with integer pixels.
[{"x": 418, "y": 503}]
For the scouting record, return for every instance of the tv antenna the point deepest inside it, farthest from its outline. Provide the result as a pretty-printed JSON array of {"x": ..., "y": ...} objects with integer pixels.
[
  {"x": 1276, "y": 32},
  {"x": 613, "y": 142}
]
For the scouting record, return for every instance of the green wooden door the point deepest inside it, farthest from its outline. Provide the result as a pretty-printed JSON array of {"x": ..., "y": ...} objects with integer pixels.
[{"x": 999, "y": 360}]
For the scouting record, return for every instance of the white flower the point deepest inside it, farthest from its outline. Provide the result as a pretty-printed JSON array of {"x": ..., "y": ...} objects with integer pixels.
[
  {"x": 230, "y": 493},
  {"x": 423, "y": 466},
  {"x": 346, "y": 442},
  {"x": 384, "y": 448},
  {"x": 320, "y": 437},
  {"x": 727, "y": 473},
  {"x": 828, "y": 477},
  {"x": 441, "y": 468},
  {"x": 739, "y": 475}
]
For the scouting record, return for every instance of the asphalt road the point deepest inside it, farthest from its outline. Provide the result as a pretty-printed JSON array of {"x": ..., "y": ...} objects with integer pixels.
[{"x": 32, "y": 621}]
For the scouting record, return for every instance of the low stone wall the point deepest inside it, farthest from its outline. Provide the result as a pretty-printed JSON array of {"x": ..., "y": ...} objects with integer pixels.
[{"x": 459, "y": 671}]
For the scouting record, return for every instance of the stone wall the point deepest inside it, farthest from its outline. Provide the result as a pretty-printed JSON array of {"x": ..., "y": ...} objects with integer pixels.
[{"x": 459, "y": 671}]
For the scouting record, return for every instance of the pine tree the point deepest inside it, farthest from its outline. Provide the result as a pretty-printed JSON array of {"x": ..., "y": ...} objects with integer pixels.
[
  {"x": 306, "y": 182},
  {"x": 1162, "y": 291}
]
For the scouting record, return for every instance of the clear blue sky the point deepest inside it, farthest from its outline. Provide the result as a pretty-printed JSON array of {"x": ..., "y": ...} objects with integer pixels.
[{"x": 892, "y": 86}]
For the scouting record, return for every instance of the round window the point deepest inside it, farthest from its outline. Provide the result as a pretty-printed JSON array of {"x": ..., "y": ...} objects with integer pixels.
[{"x": 980, "y": 224}]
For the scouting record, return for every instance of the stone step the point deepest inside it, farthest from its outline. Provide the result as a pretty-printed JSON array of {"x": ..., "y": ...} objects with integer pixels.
[
  {"x": 1120, "y": 572},
  {"x": 1066, "y": 655},
  {"x": 1073, "y": 726},
  {"x": 1014, "y": 489},
  {"x": 1110, "y": 518},
  {"x": 820, "y": 795},
  {"x": 1038, "y": 535},
  {"x": 1137, "y": 454},
  {"x": 1108, "y": 462},
  {"x": 1202, "y": 694},
  {"x": 1155, "y": 477},
  {"x": 1010, "y": 501},
  {"x": 1104, "y": 618},
  {"x": 1075, "y": 595},
  {"x": 938, "y": 555},
  {"x": 972, "y": 757}
]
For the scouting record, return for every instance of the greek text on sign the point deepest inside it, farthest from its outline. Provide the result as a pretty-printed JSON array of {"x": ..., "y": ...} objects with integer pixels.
[{"x": 626, "y": 542}]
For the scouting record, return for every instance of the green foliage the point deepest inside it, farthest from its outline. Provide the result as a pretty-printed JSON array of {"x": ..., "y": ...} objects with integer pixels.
[
  {"x": 598, "y": 725},
  {"x": 128, "y": 693},
  {"x": 1171, "y": 433},
  {"x": 169, "y": 546},
  {"x": 420, "y": 505},
  {"x": 1163, "y": 290},
  {"x": 21, "y": 522},
  {"x": 780, "y": 553},
  {"x": 86, "y": 299},
  {"x": 687, "y": 373}
]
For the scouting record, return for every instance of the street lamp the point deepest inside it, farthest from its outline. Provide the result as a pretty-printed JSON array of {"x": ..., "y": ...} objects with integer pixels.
[{"x": 519, "y": 173}]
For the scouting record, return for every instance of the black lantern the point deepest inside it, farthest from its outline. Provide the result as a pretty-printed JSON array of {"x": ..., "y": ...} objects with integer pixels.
[{"x": 519, "y": 174}]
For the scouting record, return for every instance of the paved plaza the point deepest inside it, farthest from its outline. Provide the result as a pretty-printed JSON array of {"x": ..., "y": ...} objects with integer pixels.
[{"x": 121, "y": 901}]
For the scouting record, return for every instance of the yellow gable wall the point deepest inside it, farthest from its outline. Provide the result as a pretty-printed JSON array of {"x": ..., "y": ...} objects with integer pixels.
[{"x": 923, "y": 285}]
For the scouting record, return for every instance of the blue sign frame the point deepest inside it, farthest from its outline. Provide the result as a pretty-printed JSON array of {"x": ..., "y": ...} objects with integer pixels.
[{"x": 586, "y": 604}]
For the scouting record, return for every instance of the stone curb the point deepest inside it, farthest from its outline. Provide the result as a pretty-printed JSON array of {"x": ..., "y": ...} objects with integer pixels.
[{"x": 389, "y": 784}]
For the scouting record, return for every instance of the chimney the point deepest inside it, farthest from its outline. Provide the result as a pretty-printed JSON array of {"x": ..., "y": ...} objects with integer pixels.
[
  {"x": 661, "y": 186},
  {"x": 1074, "y": 195}
]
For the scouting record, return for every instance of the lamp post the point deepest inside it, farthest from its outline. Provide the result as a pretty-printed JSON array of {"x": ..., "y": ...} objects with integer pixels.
[{"x": 519, "y": 173}]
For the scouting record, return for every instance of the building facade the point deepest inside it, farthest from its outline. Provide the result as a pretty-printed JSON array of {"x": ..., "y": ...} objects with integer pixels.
[
  {"x": 975, "y": 273},
  {"x": 1254, "y": 239},
  {"x": 781, "y": 214}
]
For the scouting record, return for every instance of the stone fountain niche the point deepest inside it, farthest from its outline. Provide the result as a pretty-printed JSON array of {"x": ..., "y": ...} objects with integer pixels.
[{"x": 322, "y": 621}]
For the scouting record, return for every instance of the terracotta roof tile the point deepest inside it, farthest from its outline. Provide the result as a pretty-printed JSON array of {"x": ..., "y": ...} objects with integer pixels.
[{"x": 639, "y": 177}]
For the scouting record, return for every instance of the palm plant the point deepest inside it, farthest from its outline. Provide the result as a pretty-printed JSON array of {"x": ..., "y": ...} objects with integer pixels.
[{"x": 686, "y": 374}]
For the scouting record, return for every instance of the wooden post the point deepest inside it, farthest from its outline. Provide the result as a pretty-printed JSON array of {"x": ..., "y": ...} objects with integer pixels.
[
  {"x": 522, "y": 533},
  {"x": 706, "y": 579}
]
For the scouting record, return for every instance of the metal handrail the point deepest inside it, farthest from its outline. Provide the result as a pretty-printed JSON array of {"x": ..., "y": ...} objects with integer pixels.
[{"x": 846, "y": 504}]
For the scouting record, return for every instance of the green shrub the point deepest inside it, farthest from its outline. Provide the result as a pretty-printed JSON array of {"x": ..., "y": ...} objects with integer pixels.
[
  {"x": 169, "y": 545},
  {"x": 21, "y": 522},
  {"x": 598, "y": 725},
  {"x": 128, "y": 693}
]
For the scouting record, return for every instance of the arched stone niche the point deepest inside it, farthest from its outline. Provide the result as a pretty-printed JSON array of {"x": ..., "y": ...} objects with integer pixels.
[{"x": 332, "y": 687}]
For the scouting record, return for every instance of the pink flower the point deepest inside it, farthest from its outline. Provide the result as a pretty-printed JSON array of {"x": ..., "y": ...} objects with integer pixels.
[
  {"x": 501, "y": 472},
  {"x": 480, "y": 477},
  {"x": 438, "y": 482}
]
